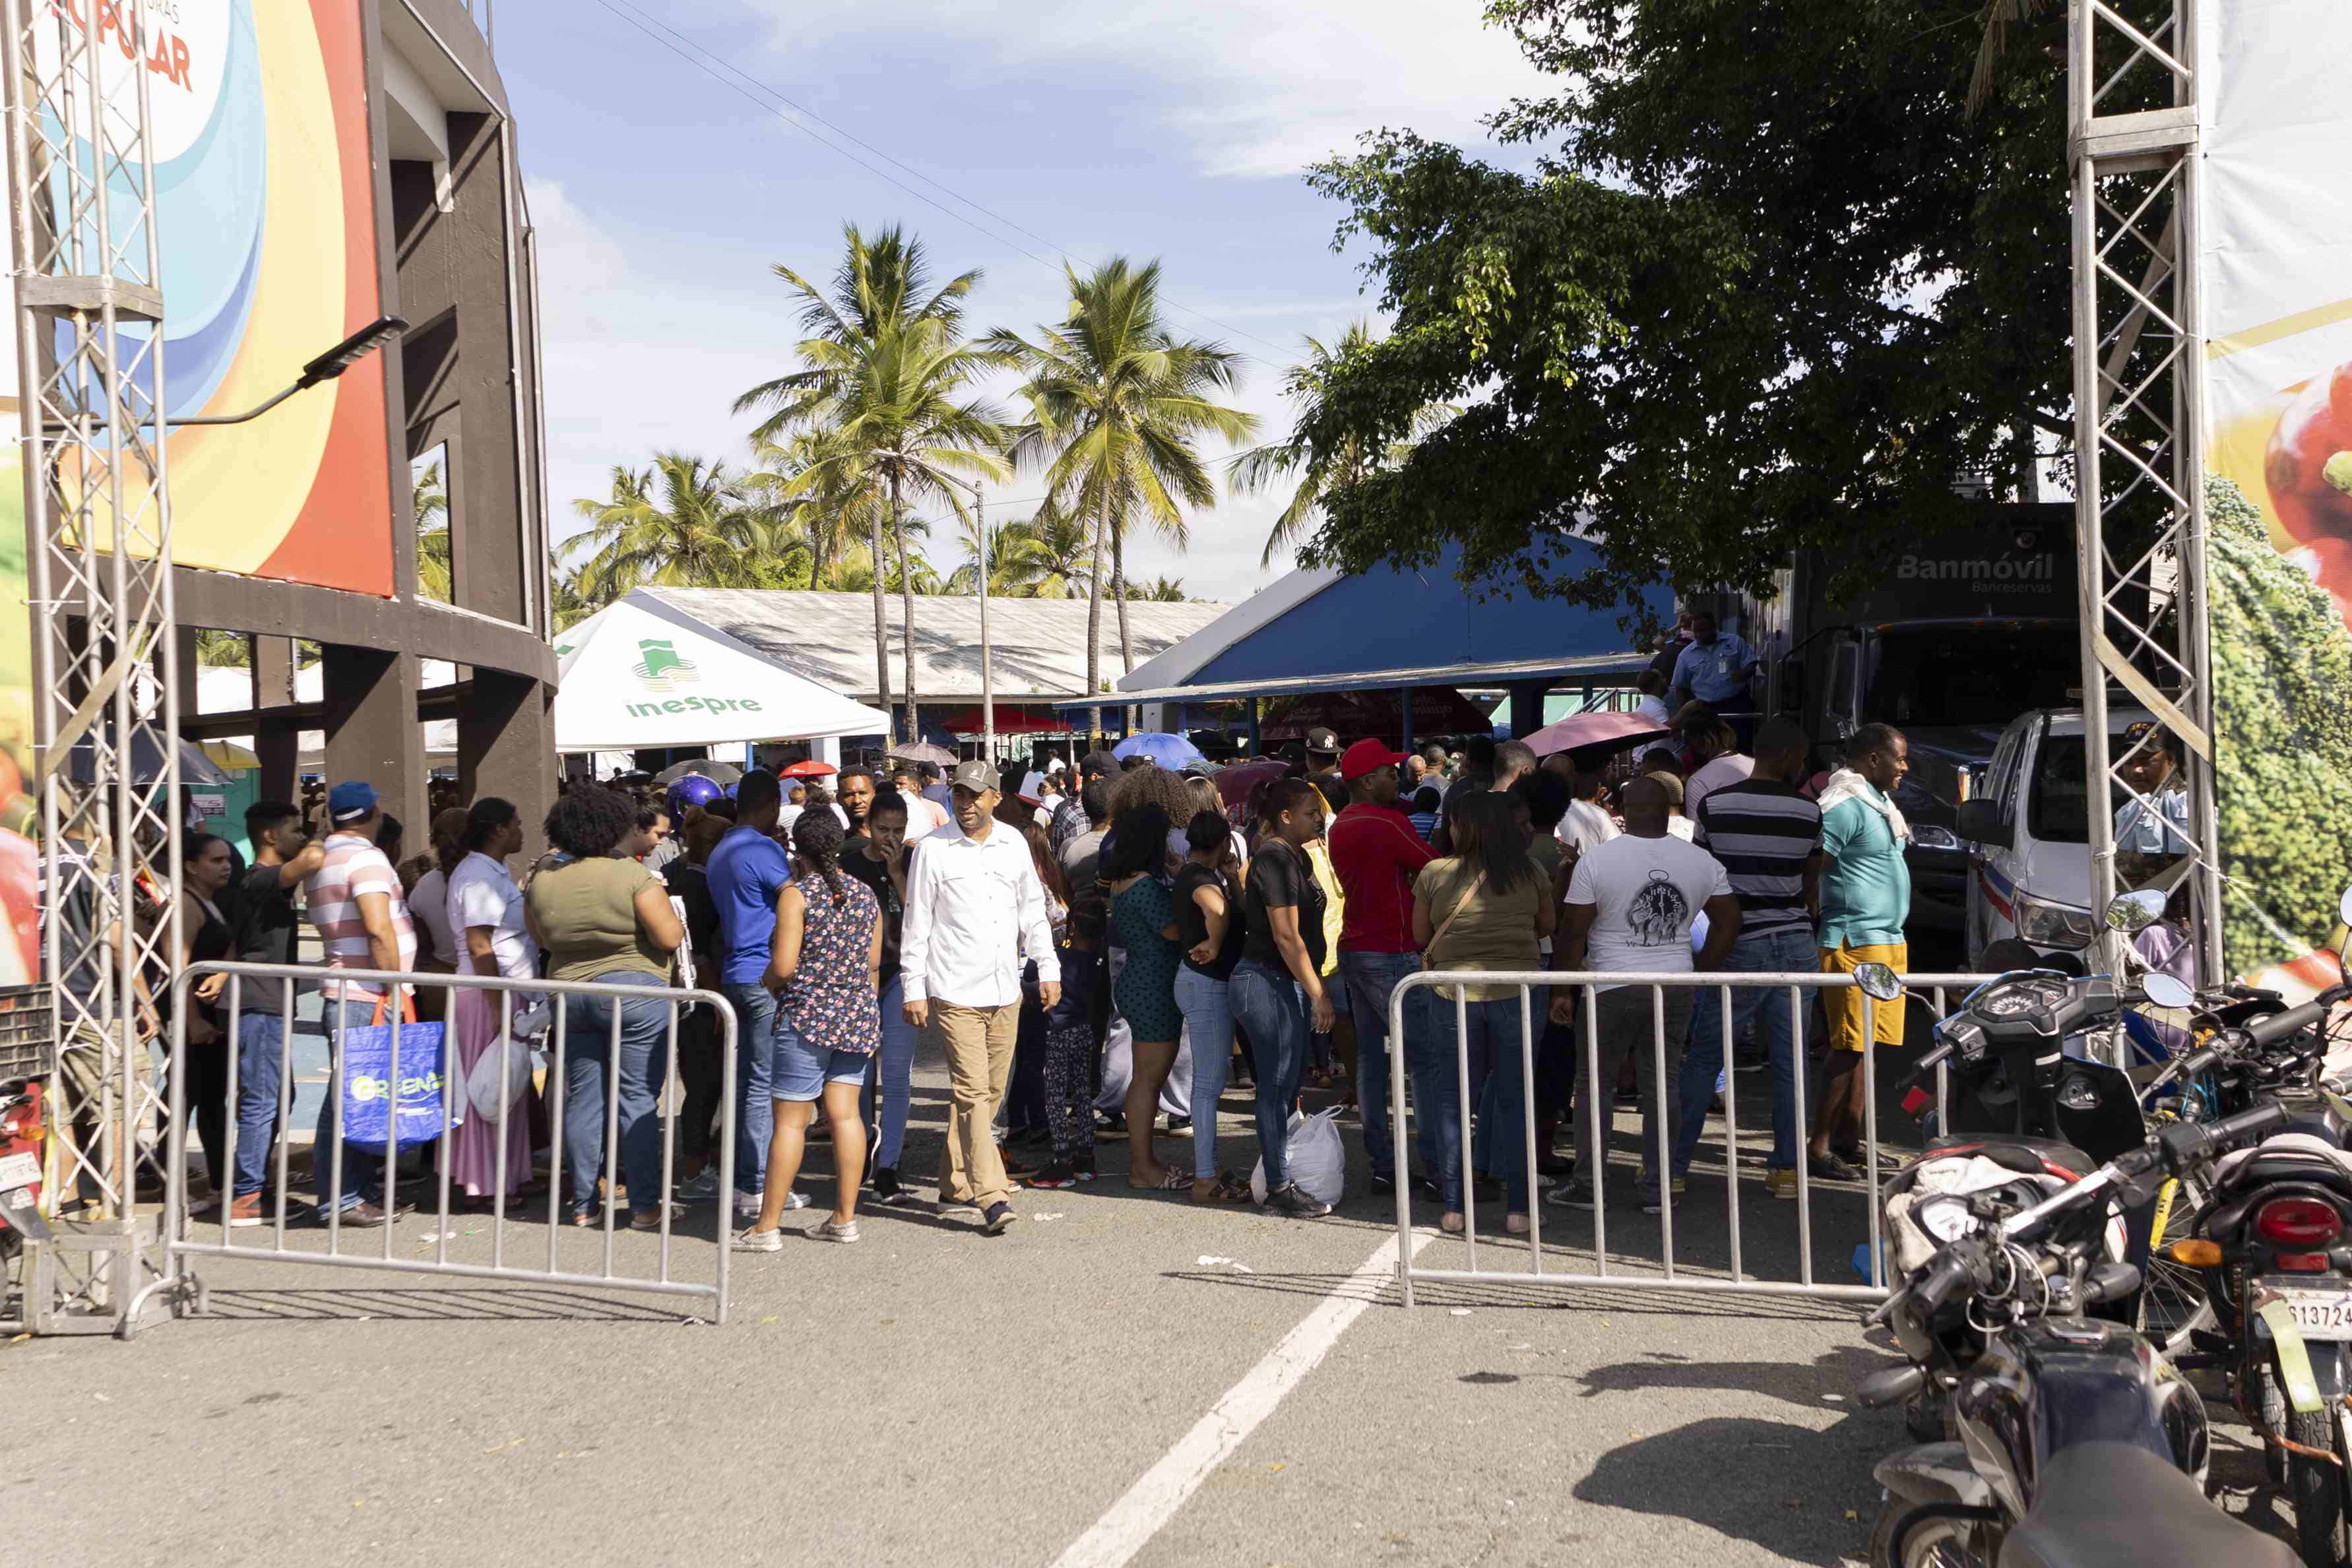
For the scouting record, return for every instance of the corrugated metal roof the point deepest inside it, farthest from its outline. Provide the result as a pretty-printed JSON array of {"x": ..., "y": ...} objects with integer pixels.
[
  {"x": 1040, "y": 644},
  {"x": 1593, "y": 667}
]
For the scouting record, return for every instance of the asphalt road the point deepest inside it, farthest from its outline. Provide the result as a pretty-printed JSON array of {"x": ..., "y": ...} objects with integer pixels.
[{"x": 1121, "y": 1378}]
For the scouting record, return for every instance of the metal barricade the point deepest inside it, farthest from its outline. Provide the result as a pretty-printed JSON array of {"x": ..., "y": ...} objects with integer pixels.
[
  {"x": 1937, "y": 990},
  {"x": 184, "y": 1287}
]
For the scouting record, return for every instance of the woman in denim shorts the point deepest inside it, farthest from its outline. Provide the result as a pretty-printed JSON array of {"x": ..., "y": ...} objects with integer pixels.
[{"x": 826, "y": 968}]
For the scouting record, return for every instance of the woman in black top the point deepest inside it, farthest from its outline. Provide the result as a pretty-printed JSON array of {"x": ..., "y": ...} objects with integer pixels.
[
  {"x": 1210, "y": 928},
  {"x": 204, "y": 880},
  {"x": 1277, "y": 986}
]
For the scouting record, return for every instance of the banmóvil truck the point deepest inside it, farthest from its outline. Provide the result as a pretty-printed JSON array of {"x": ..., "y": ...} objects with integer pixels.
[{"x": 1948, "y": 640}]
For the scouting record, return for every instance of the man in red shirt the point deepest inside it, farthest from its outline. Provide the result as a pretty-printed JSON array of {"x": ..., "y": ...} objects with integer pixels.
[{"x": 1376, "y": 854}]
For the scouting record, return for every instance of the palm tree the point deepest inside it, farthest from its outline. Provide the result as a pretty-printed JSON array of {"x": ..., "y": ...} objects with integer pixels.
[
  {"x": 1319, "y": 475},
  {"x": 568, "y": 604},
  {"x": 428, "y": 500},
  {"x": 882, "y": 369},
  {"x": 1117, "y": 404},
  {"x": 1014, "y": 558},
  {"x": 1159, "y": 590},
  {"x": 683, "y": 522},
  {"x": 1065, "y": 553},
  {"x": 222, "y": 648}
]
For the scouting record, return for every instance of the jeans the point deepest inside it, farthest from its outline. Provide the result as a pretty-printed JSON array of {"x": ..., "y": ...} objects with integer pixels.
[
  {"x": 1623, "y": 1019},
  {"x": 1207, "y": 1006},
  {"x": 1486, "y": 1158},
  {"x": 894, "y": 1069},
  {"x": 1495, "y": 1043},
  {"x": 1265, "y": 1002},
  {"x": 1024, "y": 1095},
  {"x": 363, "y": 1179},
  {"x": 637, "y": 1083},
  {"x": 1371, "y": 978},
  {"x": 755, "y": 1111},
  {"x": 260, "y": 1040},
  {"x": 1775, "y": 952}
]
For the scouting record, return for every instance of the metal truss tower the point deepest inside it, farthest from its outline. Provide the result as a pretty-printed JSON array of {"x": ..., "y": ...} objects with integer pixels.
[
  {"x": 89, "y": 342},
  {"x": 2139, "y": 362}
]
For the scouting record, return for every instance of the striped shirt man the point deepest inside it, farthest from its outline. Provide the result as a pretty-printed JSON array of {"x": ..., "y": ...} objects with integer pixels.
[
  {"x": 354, "y": 866},
  {"x": 1763, "y": 831}
]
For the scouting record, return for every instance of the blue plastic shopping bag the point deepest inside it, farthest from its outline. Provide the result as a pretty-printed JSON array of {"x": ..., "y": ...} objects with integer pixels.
[{"x": 422, "y": 1115}]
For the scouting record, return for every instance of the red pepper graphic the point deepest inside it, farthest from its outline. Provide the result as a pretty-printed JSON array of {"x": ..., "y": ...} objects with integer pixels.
[{"x": 2309, "y": 467}]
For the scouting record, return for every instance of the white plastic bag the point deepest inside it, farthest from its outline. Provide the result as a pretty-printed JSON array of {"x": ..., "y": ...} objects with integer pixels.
[
  {"x": 493, "y": 1093},
  {"x": 1317, "y": 1159}
]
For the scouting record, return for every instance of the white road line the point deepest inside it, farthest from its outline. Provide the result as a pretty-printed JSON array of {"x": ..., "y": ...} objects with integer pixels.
[{"x": 1131, "y": 1522}]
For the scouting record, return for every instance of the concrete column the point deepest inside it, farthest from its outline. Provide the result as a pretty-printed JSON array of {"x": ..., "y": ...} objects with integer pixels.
[
  {"x": 1527, "y": 707},
  {"x": 506, "y": 746},
  {"x": 1256, "y": 747},
  {"x": 1404, "y": 711},
  {"x": 373, "y": 733},
  {"x": 277, "y": 742}
]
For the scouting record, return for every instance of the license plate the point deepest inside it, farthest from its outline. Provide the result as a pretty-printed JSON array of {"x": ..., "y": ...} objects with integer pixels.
[
  {"x": 2317, "y": 1314},
  {"x": 18, "y": 1170}
]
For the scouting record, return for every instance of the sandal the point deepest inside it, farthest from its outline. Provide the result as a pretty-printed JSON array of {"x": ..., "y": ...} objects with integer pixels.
[
  {"x": 1225, "y": 1189},
  {"x": 1174, "y": 1181}
]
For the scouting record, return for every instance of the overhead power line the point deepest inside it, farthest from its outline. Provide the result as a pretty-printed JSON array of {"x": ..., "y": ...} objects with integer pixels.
[{"x": 799, "y": 117}]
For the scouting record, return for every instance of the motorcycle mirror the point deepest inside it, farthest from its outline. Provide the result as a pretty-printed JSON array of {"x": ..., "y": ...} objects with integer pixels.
[
  {"x": 2132, "y": 912},
  {"x": 1878, "y": 981},
  {"x": 2166, "y": 991},
  {"x": 2344, "y": 909},
  {"x": 1892, "y": 1386}
]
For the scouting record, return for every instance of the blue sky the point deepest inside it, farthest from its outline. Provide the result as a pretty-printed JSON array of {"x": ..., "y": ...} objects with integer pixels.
[{"x": 1174, "y": 129}]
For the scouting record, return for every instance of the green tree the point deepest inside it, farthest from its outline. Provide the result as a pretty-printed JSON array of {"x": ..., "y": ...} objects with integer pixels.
[
  {"x": 683, "y": 522},
  {"x": 1117, "y": 406},
  {"x": 428, "y": 501},
  {"x": 1015, "y": 559},
  {"x": 223, "y": 649},
  {"x": 1159, "y": 590},
  {"x": 883, "y": 370},
  {"x": 1350, "y": 458},
  {"x": 1770, "y": 285}
]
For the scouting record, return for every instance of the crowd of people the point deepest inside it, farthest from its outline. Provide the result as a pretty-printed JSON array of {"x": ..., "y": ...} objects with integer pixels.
[{"x": 1087, "y": 949}]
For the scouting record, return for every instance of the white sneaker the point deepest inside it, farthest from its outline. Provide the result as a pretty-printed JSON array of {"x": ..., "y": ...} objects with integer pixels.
[
  {"x": 829, "y": 1232},
  {"x": 759, "y": 1241},
  {"x": 747, "y": 1204}
]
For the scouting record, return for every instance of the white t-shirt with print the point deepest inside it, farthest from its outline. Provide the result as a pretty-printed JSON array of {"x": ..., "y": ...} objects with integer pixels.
[
  {"x": 1584, "y": 825},
  {"x": 1647, "y": 892}
]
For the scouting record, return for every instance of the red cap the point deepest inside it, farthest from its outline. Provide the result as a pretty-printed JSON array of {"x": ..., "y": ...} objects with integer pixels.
[{"x": 1367, "y": 757}]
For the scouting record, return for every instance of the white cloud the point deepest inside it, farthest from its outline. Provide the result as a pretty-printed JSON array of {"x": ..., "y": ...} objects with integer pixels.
[{"x": 1257, "y": 87}]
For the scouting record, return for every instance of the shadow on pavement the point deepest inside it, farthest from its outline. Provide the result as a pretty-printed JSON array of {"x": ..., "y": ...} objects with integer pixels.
[
  {"x": 1829, "y": 1378},
  {"x": 437, "y": 1303},
  {"x": 1754, "y": 1480}
]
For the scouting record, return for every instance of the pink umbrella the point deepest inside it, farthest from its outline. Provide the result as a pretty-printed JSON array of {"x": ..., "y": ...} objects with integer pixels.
[{"x": 1580, "y": 729}]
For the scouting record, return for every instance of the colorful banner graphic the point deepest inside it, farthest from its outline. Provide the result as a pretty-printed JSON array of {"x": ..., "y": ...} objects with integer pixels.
[
  {"x": 266, "y": 220},
  {"x": 2276, "y": 258}
]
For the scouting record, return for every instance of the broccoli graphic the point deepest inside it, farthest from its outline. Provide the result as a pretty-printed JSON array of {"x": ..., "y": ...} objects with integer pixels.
[{"x": 2283, "y": 718}]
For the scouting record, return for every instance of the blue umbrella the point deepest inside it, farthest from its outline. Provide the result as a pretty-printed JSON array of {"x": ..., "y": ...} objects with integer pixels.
[{"x": 1168, "y": 751}]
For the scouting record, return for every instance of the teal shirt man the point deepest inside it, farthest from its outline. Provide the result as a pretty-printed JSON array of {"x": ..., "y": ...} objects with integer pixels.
[{"x": 1866, "y": 885}]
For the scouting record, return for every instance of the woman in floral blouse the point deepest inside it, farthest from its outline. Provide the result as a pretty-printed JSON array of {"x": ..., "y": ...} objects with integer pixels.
[{"x": 826, "y": 966}]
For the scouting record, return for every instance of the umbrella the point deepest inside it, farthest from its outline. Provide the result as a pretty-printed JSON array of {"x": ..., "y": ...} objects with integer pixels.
[
  {"x": 1168, "y": 751},
  {"x": 924, "y": 751},
  {"x": 147, "y": 761},
  {"x": 719, "y": 773},
  {"x": 1234, "y": 784},
  {"x": 809, "y": 769},
  {"x": 1582, "y": 729},
  {"x": 227, "y": 754}
]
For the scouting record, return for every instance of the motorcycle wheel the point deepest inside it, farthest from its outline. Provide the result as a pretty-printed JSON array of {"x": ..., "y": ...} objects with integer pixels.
[
  {"x": 2318, "y": 1491},
  {"x": 1934, "y": 1543},
  {"x": 2172, "y": 1304}
]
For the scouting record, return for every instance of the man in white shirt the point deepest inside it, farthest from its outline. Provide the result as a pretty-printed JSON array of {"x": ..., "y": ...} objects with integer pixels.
[
  {"x": 1630, "y": 906},
  {"x": 974, "y": 908},
  {"x": 1719, "y": 761}
]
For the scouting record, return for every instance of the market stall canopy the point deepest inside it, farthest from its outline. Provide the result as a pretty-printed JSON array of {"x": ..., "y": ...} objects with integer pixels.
[
  {"x": 1010, "y": 719},
  {"x": 637, "y": 675}
]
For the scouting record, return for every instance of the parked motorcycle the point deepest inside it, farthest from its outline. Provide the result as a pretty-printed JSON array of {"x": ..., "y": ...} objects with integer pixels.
[{"x": 2077, "y": 1442}]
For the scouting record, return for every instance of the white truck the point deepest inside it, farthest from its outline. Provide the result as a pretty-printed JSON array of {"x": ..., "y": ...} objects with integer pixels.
[{"x": 2028, "y": 829}]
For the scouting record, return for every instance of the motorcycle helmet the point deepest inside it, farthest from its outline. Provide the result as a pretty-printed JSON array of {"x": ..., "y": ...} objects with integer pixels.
[{"x": 693, "y": 790}]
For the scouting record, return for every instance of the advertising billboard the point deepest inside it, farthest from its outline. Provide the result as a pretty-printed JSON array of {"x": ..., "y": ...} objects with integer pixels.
[
  {"x": 2276, "y": 258},
  {"x": 266, "y": 222}
]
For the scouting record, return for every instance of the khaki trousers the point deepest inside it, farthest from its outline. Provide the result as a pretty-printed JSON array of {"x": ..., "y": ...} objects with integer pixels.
[{"x": 979, "y": 1046}]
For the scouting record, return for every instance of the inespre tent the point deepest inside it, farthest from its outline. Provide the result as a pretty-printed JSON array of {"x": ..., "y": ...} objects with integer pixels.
[{"x": 635, "y": 674}]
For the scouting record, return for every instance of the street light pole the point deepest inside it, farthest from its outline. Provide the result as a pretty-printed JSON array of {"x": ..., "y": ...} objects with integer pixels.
[{"x": 987, "y": 659}]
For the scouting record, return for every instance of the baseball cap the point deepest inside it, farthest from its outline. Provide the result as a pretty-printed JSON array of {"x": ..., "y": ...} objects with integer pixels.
[
  {"x": 1322, "y": 741},
  {"x": 351, "y": 801},
  {"x": 1367, "y": 757},
  {"x": 1095, "y": 763},
  {"x": 975, "y": 776}
]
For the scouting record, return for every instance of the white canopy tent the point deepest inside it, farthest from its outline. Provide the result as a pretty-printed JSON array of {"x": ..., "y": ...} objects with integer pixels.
[{"x": 639, "y": 674}]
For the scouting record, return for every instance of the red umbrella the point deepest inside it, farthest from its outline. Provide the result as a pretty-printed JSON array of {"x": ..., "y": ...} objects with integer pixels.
[
  {"x": 1234, "y": 784},
  {"x": 1580, "y": 729},
  {"x": 809, "y": 769}
]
